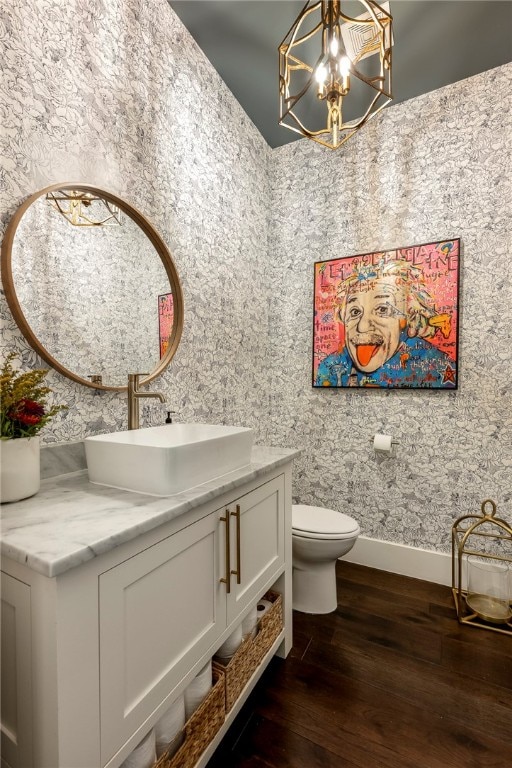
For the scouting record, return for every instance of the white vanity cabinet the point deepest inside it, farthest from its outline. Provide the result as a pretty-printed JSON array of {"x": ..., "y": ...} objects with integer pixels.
[
  {"x": 115, "y": 640},
  {"x": 178, "y": 595},
  {"x": 16, "y": 690},
  {"x": 154, "y": 608}
]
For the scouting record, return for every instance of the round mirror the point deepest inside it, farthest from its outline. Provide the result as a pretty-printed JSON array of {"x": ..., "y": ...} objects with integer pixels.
[{"x": 92, "y": 286}]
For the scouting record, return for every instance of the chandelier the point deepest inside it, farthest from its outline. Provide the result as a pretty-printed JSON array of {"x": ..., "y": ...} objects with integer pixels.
[
  {"x": 335, "y": 70},
  {"x": 84, "y": 209}
]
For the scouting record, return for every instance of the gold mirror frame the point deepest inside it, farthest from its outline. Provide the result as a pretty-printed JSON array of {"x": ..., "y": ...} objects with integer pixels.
[{"x": 151, "y": 234}]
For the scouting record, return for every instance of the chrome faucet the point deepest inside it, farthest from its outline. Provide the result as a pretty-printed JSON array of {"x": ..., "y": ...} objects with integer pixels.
[{"x": 134, "y": 395}]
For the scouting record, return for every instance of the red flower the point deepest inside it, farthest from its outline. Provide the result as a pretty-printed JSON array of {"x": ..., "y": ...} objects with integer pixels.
[{"x": 27, "y": 412}]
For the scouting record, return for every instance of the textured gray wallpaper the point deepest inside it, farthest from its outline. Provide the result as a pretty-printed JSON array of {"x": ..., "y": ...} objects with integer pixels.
[
  {"x": 433, "y": 168},
  {"x": 117, "y": 94}
]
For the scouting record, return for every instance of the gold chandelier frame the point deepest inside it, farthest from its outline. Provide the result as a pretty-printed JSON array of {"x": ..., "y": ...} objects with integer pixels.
[
  {"x": 76, "y": 207},
  {"x": 292, "y": 67}
]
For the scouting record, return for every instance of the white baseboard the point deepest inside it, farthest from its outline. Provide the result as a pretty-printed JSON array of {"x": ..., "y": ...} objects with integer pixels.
[{"x": 403, "y": 559}]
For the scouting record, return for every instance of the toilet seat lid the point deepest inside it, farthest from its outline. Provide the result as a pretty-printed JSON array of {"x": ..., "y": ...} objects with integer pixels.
[{"x": 321, "y": 523}]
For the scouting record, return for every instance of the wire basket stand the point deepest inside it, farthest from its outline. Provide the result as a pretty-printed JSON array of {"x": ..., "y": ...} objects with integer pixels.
[{"x": 482, "y": 549}]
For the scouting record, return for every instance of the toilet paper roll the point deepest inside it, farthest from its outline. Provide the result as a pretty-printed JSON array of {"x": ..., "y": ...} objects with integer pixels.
[
  {"x": 198, "y": 690},
  {"x": 249, "y": 624},
  {"x": 175, "y": 744},
  {"x": 262, "y": 607},
  {"x": 230, "y": 646},
  {"x": 144, "y": 755},
  {"x": 382, "y": 443},
  {"x": 170, "y": 725}
]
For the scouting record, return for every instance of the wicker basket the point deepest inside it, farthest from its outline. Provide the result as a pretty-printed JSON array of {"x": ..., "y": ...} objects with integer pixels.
[
  {"x": 201, "y": 728},
  {"x": 250, "y": 654}
]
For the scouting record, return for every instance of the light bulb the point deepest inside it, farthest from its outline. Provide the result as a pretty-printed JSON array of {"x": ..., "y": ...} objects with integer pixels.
[
  {"x": 345, "y": 66},
  {"x": 334, "y": 46},
  {"x": 321, "y": 74}
]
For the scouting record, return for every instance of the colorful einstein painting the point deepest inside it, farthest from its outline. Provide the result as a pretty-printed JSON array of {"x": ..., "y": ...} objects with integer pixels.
[
  {"x": 165, "y": 320},
  {"x": 388, "y": 319}
]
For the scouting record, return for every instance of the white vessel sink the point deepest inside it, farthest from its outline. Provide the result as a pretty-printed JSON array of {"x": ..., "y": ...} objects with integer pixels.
[{"x": 167, "y": 459}]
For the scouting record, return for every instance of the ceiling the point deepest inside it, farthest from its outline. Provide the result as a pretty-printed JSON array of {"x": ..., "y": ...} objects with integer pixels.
[{"x": 436, "y": 42}]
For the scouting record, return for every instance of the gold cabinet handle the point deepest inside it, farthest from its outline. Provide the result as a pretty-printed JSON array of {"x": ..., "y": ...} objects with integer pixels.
[
  {"x": 227, "y": 579},
  {"x": 237, "y": 572}
]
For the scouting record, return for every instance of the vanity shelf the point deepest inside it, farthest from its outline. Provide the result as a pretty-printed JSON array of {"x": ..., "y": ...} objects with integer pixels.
[
  {"x": 232, "y": 684},
  {"x": 200, "y": 730},
  {"x": 249, "y": 655},
  {"x": 104, "y": 647}
]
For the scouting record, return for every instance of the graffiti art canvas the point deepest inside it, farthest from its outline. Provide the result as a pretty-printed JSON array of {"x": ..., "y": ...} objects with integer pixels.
[
  {"x": 165, "y": 320},
  {"x": 388, "y": 319}
]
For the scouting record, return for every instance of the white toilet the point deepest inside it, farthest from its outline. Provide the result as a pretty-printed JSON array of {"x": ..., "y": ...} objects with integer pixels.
[{"x": 319, "y": 537}]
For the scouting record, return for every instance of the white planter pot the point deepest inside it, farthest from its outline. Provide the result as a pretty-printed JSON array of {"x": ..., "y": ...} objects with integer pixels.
[{"x": 20, "y": 475}]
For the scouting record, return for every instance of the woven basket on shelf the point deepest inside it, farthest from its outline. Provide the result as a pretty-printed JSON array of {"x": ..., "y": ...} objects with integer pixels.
[
  {"x": 251, "y": 652},
  {"x": 201, "y": 728}
]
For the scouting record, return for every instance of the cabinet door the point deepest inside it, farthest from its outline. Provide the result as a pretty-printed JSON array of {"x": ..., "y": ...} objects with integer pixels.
[
  {"x": 16, "y": 699},
  {"x": 257, "y": 522},
  {"x": 154, "y": 608}
]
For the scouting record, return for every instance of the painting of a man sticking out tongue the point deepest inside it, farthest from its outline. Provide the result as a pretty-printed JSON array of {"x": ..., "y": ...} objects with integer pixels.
[{"x": 388, "y": 319}]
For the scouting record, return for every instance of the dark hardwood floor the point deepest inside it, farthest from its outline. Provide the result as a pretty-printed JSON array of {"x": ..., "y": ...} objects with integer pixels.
[{"x": 389, "y": 680}]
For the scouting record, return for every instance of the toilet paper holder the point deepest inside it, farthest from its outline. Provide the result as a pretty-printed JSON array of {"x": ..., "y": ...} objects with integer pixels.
[{"x": 383, "y": 443}]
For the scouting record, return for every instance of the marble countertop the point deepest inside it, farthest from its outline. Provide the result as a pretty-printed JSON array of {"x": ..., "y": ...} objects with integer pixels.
[{"x": 70, "y": 520}]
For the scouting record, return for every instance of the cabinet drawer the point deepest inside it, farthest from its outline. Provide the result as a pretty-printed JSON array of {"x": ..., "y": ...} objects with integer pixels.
[{"x": 154, "y": 609}]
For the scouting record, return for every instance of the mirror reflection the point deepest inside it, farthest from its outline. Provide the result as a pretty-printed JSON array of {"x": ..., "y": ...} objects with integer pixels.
[{"x": 93, "y": 287}]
